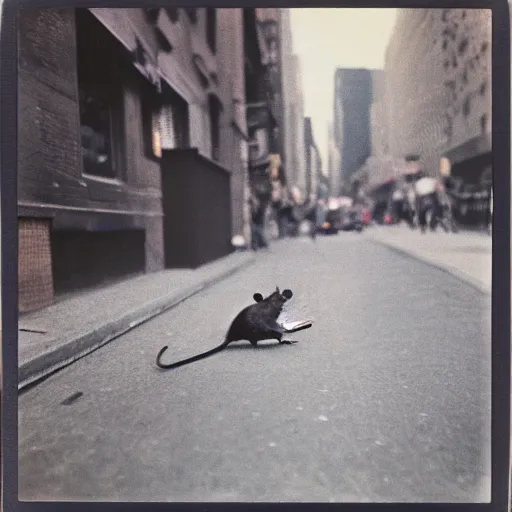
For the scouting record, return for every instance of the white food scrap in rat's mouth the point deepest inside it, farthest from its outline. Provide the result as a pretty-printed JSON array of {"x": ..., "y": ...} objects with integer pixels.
[{"x": 289, "y": 321}]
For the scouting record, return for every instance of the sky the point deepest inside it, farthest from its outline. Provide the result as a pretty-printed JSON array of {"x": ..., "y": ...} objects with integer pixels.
[{"x": 324, "y": 39}]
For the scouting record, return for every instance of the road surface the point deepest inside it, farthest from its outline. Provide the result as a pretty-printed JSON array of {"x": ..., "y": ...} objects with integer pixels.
[{"x": 386, "y": 398}]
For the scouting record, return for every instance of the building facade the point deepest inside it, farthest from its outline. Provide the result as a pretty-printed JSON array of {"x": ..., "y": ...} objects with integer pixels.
[
  {"x": 438, "y": 69},
  {"x": 271, "y": 33},
  {"x": 295, "y": 156},
  {"x": 286, "y": 75},
  {"x": 261, "y": 119},
  {"x": 110, "y": 102},
  {"x": 235, "y": 147},
  {"x": 265, "y": 113}
]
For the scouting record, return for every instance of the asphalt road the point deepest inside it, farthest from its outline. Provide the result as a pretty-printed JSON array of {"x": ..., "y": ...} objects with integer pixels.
[{"x": 386, "y": 398}]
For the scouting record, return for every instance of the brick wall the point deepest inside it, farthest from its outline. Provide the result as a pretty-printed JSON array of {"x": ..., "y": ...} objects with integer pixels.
[
  {"x": 49, "y": 166},
  {"x": 50, "y": 179},
  {"x": 231, "y": 57},
  {"x": 35, "y": 278}
]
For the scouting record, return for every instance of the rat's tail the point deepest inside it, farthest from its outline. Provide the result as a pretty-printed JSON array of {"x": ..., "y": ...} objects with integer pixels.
[{"x": 190, "y": 359}]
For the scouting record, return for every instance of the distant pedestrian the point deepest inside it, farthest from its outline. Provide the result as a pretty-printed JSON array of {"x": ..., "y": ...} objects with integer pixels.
[
  {"x": 282, "y": 220},
  {"x": 258, "y": 210},
  {"x": 410, "y": 205},
  {"x": 427, "y": 200},
  {"x": 397, "y": 204},
  {"x": 312, "y": 217}
]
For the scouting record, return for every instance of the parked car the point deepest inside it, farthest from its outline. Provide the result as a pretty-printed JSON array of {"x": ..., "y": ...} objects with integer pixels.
[{"x": 352, "y": 219}]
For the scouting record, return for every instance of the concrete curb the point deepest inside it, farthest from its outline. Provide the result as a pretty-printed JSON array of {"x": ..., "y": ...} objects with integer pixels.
[
  {"x": 70, "y": 350},
  {"x": 462, "y": 276}
]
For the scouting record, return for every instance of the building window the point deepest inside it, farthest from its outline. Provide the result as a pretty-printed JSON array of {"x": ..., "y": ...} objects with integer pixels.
[
  {"x": 174, "y": 120},
  {"x": 463, "y": 45},
  {"x": 152, "y": 14},
  {"x": 466, "y": 107},
  {"x": 151, "y": 129},
  {"x": 165, "y": 123},
  {"x": 100, "y": 97},
  {"x": 448, "y": 130},
  {"x": 215, "y": 111},
  {"x": 173, "y": 13},
  {"x": 192, "y": 14},
  {"x": 483, "y": 123},
  {"x": 211, "y": 28}
]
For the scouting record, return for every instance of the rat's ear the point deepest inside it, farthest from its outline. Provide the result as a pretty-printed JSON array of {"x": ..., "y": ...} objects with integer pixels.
[
  {"x": 257, "y": 297},
  {"x": 287, "y": 294}
]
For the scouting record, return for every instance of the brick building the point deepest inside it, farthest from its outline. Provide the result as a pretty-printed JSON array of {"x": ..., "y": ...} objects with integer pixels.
[
  {"x": 271, "y": 34},
  {"x": 125, "y": 144},
  {"x": 286, "y": 48},
  {"x": 261, "y": 117},
  {"x": 233, "y": 25},
  {"x": 272, "y": 30},
  {"x": 438, "y": 69}
]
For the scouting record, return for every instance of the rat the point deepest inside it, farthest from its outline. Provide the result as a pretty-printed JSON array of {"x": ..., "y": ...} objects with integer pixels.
[{"x": 254, "y": 323}]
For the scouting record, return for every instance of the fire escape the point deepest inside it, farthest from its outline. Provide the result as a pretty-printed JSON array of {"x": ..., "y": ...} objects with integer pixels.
[{"x": 261, "y": 118}]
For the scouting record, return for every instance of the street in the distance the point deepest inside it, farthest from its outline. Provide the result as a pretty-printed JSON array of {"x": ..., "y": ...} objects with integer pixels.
[{"x": 386, "y": 398}]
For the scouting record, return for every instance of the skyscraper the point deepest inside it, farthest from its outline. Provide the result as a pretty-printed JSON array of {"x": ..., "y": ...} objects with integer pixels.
[{"x": 353, "y": 96}]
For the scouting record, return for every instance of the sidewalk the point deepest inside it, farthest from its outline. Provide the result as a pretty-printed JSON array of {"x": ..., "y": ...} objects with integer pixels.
[
  {"x": 66, "y": 331},
  {"x": 467, "y": 255}
]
